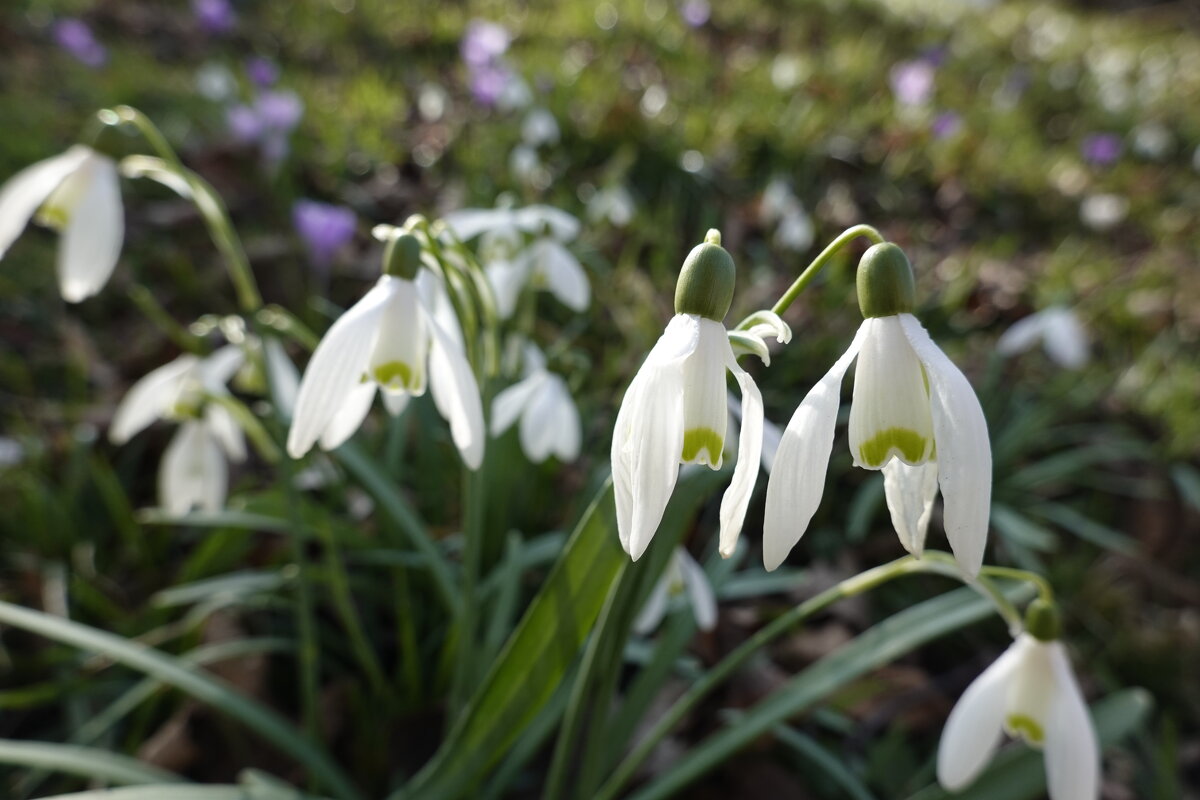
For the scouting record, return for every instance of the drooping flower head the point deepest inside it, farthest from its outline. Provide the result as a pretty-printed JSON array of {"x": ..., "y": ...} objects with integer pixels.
[
  {"x": 78, "y": 194},
  {"x": 400, "y": 339},
  {"x": 683, "y": 576},
  {"x": 193, "y": 472},
  {"x": 1057, "y": 328},
  {"x": 913, "y": 415},
  {"x": 1030, "y": 692},
  {"x": 549, "y": 420},
  {"x": 675, "y": 410}
]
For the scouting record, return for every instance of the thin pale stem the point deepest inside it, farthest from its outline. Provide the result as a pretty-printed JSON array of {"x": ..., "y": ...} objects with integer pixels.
[{"x": 1044, "y": 589}]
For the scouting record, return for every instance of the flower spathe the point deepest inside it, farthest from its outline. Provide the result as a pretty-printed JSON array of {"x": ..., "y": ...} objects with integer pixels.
[
  {"x": 1030, "y": 692},
  {"x": 675, "y": 412},
  {"x": 78, "y": 194},
  {"x": 193, "y": 472},
  {"x": 913, "y": 415},
  {"x": 395, "y": 340},
  {"x": 549, "y": 420},
  {"x": 682, "y": 576}
]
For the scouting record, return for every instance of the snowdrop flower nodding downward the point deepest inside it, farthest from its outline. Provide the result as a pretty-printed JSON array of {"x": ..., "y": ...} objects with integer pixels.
[
  {"x": 549, "y": 419},
  {"x": 682, "y": 575},
  {"x": 78, "y": 194},
  {"x": 675, "y": 410},
  {"x": 395, "y": 340},
  {"x": 1058, "y": 329},
  {"x": 1031, "y": 692},
  {"x": 192, "y": 472},
  {"x": 913, "y": 415}
]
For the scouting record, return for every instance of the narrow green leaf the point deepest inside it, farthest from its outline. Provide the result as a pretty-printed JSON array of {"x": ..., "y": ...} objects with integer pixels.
[
  {"x": 1022, "y": 530},
  {"x": 168, "y": 791},
  {"x": 1087, "y": 529},
  {"x": 202, "y": 686},
  {"x": 1018, "y": 773},
  {"x": 814, "y": 753},
  {"x": 1187, "y": 481},
  {"x": 87, "y": 762}
]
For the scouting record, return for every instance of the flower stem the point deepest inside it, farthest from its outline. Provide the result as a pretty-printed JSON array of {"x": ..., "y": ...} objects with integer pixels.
[
  {"x": 1044, "y": 589},
  {"x": 207, "y": 201},
  {"x": 821, "y": 260},
  {"x": 931, "y": 562}
]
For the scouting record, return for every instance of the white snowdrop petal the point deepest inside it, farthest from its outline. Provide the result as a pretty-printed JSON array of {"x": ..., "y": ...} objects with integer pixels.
[
  {"x": 355, "y": 407},
  {"x": 149, "y": 399},
  {"x": 535, "y": 218},
  {"x": 964, "y": 453},
  {"x": 648, "y": 435},
  {"x": 507, "y": 279},
  {"x": 91, "y": 242},
  {"x": 652, "y": 613},
  {"x": 398, "y": 359},
  {"x": 910, "y": 492},
  {"x": 705, "y": 403},
  {"x": 510, "y": 402},
  {"x": 467, "y": 223},
  {"x": 1065, "y": 338},
  {"x": 193, "y": 473},
  {"x": 568, "y": 428},
  {"x": 337, "y": 366},
  {"x": 395, "y": 402},
  {"x": 538, "y": 431},
  {"x": 456, "y": 393},
  {"x": 798, "y": 473},
  {"x": 1021, "y": 335},
  {"x": 225, "y": 429},
  {"x": 562, "y": 273},
  {"x": 285, "y": 379},
  {"x": 24, "y": 192},
  {"x": 700, "y": 591},
  {"x": 890, "y": 408},
  {"x": 219, "y": 367},
  {"x": 1072, "y": 748},
  {"x": 975, "y": 725},
  {"x": 745, "y": 473}
]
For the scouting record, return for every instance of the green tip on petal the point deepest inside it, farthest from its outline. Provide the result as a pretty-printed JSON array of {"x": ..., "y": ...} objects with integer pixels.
[
  {"x": 1026, "y": 727},
  {"x": 1043, "y": 621},
  {"x": 905, "y": 442},
  {"x": 698, "y": 439},
  {"x": 705, "y": 285},
  {"x": 885, "y": 282},
  {"x": 395, "y": 375},
  {"x": 402, "y": 258}
]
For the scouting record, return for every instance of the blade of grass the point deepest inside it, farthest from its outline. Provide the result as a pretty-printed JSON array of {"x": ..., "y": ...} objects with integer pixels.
[{"x": 87, "y": 762}]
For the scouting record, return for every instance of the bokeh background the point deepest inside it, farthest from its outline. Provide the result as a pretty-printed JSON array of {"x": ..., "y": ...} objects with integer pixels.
[{"x": 1028, "y": 156}]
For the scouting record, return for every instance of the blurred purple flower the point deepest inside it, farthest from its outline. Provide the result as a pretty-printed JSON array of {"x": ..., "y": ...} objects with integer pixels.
[
  {"x": 1101, "y": 149},
  {"x": 946, "y": 125},
  {"x": 267, "y": 122},
  {"x": 244, "y": 124},
  {"x": 912, "y": 82},
  {"x": 324, "y": 228},
  {"x": 262, "y": 71},
  {"x": 696, "y": 12},
  {"x": 935, "y": 56},
  {"x": 76, "y": 38},
  {"x": 214, "y": 16},
  {"x": 489, "y": 82},
  {"x": 279, "y": 110},
  {"x": 483, "y": 43}
]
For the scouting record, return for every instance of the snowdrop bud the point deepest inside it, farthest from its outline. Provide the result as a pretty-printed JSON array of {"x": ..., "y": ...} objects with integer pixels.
[
  {"x": 1043, "y": 621},
  {"x": 705, "y": 285},
  {"x": 402, "y": 258},
  {"x": 885, "y": 282}
]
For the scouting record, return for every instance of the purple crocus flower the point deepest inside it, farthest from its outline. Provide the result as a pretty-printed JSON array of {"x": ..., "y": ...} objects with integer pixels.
[
  {"x": 912, "y": 82},
  {"x": 695, "y": 12},
  {"x": 946, "y": 125},
  {"x": 76, "y": 38},
  {"x": 244, "y": 123},
  {"x": 324, "y": 228},
  {"x": 279, "y": 110},
  {"x": 214, "y": 16},
  {"x": 488, "y": 83},
  {"x": 262, "y": 71},
  {"x": 483, "y": 43},
  {"x": 1101, "y": 149}
]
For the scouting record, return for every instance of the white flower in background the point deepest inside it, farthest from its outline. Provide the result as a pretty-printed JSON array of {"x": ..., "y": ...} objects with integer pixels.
[
  {"x": 613, "y": 204},
  {"x": 675, "y": 411},
  {"x": 193, "y": 473},
  {"x": 524, "y": 163},
  {"x": 794, "y": 227},
  {"x": 541, "y": 401},
  {"x": 545, "y": 264},
  {"x": 913, "y": 415},
  {"x": 1030, "y": 691},
  {"x": 1102, "y": 212},
  {"x": 539, "y": 128},
  {"x": 78, "y": 194},
  {"x": 771, "y": 434},
  {"x": 284, "y": 379},
  {"x": 1059, "y": 331},
  {"x": 394, "y": 340},
  {"x": 682, "y": 576}
]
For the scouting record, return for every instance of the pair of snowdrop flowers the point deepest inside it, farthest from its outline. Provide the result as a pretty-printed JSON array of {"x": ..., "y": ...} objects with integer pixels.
[
  {"x": 546, "y": 263},
  {"x": 78, "y": 194},
  {"x": 541, "y": 402},
  {"x": 401, "y": 338}
]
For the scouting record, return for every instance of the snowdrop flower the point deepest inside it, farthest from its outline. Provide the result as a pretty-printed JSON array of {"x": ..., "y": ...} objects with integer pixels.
[
  {"x": 612, "y": 203},
  {"x": 1102, "y": 212},
  {"x": 794, "y": 230},
  {"x": 1030, "y": 692},
  {"x": 549, "y": 419},
  {"x": 395, "y": 340},
  {"x": 193, "y": 473},
  {"x": 544, "y": 264},
  {"x": 76, "y": 193},
  {"x": 675, "y": 409},
  {"x": 539, "y": 128},
  {"x": 913, "y": 415},
  {"x": 682, "y": 576},
  {"x": 1057, "y": 328}
]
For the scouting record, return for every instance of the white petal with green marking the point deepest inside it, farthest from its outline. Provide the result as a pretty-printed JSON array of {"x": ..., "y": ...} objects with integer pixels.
[
  {"x": 890, "y": 413},
  {"x": 705, "y": 407}
]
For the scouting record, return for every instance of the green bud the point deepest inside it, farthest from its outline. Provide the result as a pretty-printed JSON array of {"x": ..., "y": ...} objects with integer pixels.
[
  {"x": 705, "y": 285},
  {"x": 1043, "y": 621},
  {"x": 885, "y": 282},
  {"x": 402, "y": 258}
]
